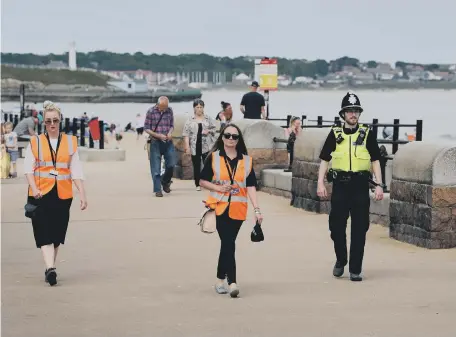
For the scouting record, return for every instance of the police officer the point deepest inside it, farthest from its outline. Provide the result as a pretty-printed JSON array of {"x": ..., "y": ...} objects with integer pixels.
[{"x": 352, "y": 147}]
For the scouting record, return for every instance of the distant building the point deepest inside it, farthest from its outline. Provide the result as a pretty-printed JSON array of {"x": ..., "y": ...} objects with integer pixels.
[
  {"x": 57, "y": 65},
  {"x": 133, "y": 86}
]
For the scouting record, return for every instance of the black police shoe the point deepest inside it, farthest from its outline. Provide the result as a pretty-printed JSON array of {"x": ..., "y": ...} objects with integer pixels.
[
  {"x": 338, "y": 269},
  {"x": 355, "y": 277}
]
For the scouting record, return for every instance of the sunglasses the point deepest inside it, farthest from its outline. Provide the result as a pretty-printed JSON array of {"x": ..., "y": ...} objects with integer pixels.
[
  {"x": 230, "y": 136},
  {"x": 51, "y": 121}
]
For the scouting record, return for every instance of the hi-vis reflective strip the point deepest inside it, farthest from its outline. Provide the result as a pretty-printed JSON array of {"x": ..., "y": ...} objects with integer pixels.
[
  {"x": 48, "y": 175},
  {"x": 229, "y": 182},
  {"x": 247, "y": 160},
  {"x": 70, "y": 151},
  {"x": 233, "y": 197},
  {"x": 217, "y": 165},
  {"x": 57, "y": 165}
]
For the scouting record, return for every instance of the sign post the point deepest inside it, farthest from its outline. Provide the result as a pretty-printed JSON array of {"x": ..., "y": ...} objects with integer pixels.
[
  {"x": 22, "y": 97},
  {"x": 266, "y": 74}
]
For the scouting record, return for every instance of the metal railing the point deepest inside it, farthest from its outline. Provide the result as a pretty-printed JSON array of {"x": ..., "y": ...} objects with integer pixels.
[
  {"x": 395, "y": 141},
  {"x": 396, "y": 125},
  {"x": 75, "y": 126}
]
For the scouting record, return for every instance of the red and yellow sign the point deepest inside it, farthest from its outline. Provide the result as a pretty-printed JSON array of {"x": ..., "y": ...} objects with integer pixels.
[{"x": 266, "y": 73}]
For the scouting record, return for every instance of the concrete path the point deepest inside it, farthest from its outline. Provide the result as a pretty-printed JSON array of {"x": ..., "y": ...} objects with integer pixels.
[{"x": 137, "y": 265}]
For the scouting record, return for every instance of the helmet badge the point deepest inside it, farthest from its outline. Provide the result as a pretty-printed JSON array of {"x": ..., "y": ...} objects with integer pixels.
[{"x": 352, "y": 99}]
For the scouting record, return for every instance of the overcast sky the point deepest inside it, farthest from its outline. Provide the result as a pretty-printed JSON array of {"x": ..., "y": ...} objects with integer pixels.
[{"x": 384, "y": 30}]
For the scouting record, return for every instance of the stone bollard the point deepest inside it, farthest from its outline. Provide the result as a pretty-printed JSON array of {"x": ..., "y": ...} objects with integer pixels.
[
  {"x": 305, "y": 168},
  {"x": 258, "y": 136},
  {"x": 423, "y": 195}
]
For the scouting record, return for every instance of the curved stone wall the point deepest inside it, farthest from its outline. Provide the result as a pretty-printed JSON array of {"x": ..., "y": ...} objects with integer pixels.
[
  {"x": 306, "y": 164},
  {"x": 258, "y": 136},
  {"x": 305, "y": 177},
  {"x": 423, "y": 195}
]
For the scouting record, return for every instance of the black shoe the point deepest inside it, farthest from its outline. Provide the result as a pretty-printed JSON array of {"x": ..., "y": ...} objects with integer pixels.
[
  {"x": 159, "y": 194},
  {"x": 51, "y": 276},
  {"x": 45, "y": 278},
  {"x": 338, "y": 269},
  {"x": 166, "y": 187},
  {"x": 355, "y": 277}
]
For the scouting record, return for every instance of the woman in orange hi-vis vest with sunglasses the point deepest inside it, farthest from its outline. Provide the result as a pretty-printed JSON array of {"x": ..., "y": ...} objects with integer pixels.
[
  {"x": 228, "y": 173},
  {"x": 51, "y": 165}
]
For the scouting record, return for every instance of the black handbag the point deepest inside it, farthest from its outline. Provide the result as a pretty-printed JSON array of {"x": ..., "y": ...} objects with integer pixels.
[
  {"x": 257, "y": 233},
  {"x": 31, "y": 210}
]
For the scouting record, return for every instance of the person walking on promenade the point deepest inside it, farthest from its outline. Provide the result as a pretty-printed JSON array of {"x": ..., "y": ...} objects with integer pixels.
[
  {"x": 51, "y": 163},
  {"x": 229, "y": 176},
  {"x": 352, "y": 148},
  {"x": 139, "y": 125},
  {"x": 252, "y": 103},
  {"x": 159, "y": 125},
  {"x": 10, "y": 138},
  {"x": 199, "y": 138},
  {"x": 226, "y": 115}
]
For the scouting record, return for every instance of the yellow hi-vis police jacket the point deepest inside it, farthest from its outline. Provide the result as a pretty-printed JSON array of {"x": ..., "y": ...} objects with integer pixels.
[{"x": 349, "y": 156}]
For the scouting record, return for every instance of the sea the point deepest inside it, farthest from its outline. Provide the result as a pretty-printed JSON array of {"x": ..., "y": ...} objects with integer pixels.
[{"x": 437, "y": 108}]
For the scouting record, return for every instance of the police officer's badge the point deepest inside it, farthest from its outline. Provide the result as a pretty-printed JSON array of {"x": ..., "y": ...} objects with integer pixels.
[{"x": 352, "y": 99}]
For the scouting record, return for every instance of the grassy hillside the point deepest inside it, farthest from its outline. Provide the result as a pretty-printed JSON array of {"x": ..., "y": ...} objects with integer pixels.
[{"x": 52, "y": 76}]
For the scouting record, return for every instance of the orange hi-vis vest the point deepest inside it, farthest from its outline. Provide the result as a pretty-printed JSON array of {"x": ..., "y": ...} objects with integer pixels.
[
  {"x": 238, "y": 201},
  {"x": 44, "y": 165}
]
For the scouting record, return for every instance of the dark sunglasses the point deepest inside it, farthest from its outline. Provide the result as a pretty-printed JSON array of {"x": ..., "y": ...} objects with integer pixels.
[
  {"x": 51, "y": 121},
  {"x": 229, "y": 135}
]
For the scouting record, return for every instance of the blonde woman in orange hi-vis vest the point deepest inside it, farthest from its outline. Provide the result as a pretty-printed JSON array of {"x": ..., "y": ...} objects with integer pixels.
[
  {"x": 229, "y": 176},
  {"x": 51, "y": 165}
]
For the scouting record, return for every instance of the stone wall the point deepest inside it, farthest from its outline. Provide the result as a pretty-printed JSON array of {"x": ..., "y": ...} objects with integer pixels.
[
  {"x": 258, "y": 136},
  {"x": 183, "y": 169},
  {"x": 423, "y": 195},
  {"x": 276, "y": 182},
  {"x": 305, "y": 179},
  {"x": 305, "y": 171}
]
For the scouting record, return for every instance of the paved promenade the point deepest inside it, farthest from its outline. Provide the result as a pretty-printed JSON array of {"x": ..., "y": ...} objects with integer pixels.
[{"x": 137, "y": 265}]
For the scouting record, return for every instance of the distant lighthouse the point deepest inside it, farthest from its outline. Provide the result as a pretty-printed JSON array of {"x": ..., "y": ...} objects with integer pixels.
[{"x": 72, "y": 57}]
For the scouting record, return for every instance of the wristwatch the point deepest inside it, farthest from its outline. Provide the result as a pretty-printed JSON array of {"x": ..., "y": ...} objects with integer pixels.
[{"x": 382, "y": 185}]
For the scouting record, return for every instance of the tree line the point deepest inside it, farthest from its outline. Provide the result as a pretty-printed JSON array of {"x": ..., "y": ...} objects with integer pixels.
[{"x": 104, "y": 60}]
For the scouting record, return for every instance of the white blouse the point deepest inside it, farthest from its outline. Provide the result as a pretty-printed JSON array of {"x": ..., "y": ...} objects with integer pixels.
[{"x": 75, "y": 163}]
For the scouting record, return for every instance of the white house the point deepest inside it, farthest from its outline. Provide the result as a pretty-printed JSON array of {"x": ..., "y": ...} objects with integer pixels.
[{"x": 132, "y": 86}]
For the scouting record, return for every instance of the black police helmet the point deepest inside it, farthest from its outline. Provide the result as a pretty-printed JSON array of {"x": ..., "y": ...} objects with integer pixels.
[{"x": 350, "y": 102}]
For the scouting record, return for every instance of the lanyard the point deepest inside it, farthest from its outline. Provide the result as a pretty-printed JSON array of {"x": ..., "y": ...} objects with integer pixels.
[
  {"x": 54, "y": 154},
  {"x": 232, "y": 173}
]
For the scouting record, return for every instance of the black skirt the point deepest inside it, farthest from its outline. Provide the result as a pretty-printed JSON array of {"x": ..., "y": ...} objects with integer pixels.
[{"x": 51, "y": 222}]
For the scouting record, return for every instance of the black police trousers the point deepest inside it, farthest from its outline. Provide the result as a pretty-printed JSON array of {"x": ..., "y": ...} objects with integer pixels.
[{"x": 350, "y": 198}]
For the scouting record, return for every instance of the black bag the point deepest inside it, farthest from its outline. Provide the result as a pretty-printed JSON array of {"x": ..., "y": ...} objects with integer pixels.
[
  {"x": 31, "y": 209},
  {"x": 257, "y": 233}
]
